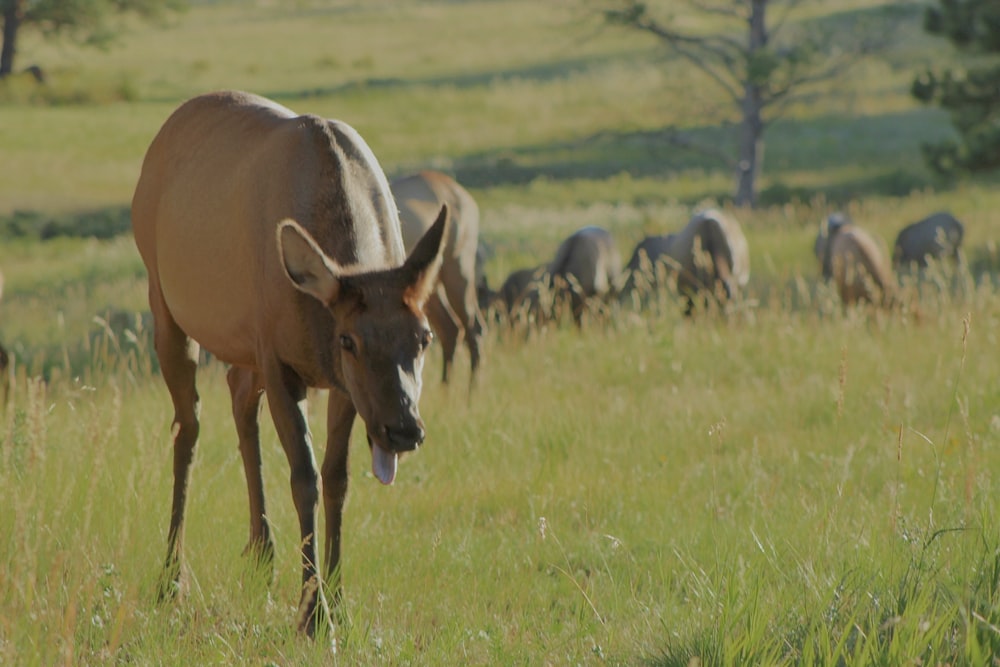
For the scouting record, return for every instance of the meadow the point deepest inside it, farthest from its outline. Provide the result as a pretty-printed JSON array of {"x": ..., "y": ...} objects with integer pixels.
[{"x": 789, "y": 485}]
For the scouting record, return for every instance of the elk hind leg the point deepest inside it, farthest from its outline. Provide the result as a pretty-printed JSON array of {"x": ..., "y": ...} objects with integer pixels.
[
  {"x": 178, "y": 356},
  {"x": 246, "y": 388}
]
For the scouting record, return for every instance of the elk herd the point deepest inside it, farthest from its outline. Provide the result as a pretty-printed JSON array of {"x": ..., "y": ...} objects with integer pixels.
[
  {"x": 275, "y": 242},
  {"x": 707, "y": 262},
  {"x": 855, "y": 262}
]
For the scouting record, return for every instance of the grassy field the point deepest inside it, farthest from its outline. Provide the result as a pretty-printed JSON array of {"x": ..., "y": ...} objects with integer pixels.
[{"x": 789, "y": 485}]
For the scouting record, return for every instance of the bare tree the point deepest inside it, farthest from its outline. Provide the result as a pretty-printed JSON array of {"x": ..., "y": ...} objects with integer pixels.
[{"x": 762, "y": 61}]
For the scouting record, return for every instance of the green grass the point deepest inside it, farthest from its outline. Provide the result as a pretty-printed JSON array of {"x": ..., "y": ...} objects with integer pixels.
[
  {"x": 792, "y": 485},
  {"x": 753, "y": 491}
]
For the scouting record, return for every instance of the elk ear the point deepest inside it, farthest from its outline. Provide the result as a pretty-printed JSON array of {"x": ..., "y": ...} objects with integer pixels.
[
  {"x": 422, "y": 266},
  {"x": 305, "y": 263}
]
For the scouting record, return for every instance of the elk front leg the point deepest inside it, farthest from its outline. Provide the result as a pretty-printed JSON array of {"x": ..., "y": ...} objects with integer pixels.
[
  {"x": 339, "y": 420},
  {"x": 286, "y": 394}
]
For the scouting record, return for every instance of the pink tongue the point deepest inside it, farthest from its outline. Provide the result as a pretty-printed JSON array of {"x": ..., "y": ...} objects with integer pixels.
[{"x": 384, "y": 464}]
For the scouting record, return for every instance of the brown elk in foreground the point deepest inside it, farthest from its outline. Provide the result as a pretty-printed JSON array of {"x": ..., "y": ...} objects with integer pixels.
[{"x": 272, "y": 240}]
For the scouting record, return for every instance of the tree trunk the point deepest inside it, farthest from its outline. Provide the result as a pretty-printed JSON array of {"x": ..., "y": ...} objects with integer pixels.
[
  {"x": 751, "y": 148},
  {"x": 751, "y": 142},
  {"x": 13, "y": 15}
]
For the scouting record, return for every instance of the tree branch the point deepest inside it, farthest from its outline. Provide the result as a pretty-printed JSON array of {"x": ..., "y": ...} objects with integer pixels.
[
  {"x": 783, "y": 19},
  {"x": 718, "y": 49},
  {"x": 781, "y": 94},
  {"x": 732, "y": 10},
  {"x": 801, "y": 87},
  {"x": 674, "y": 137}
]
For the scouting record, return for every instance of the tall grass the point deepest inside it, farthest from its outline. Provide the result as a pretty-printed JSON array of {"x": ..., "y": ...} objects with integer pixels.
[{"x": 784, "y": 488}]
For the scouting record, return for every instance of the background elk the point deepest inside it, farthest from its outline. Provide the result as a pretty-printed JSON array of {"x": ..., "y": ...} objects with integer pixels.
[
  {"x": 586, "y": 265},
  {"x": 855, "y": 261},
  {"x": 453, "y": 308},
  {"x": 708, "y": 257},
  {"x": 938, "y": 237}
]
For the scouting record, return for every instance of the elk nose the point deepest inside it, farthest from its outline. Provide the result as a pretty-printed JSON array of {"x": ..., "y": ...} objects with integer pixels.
[{"x": 404, "y": 438}]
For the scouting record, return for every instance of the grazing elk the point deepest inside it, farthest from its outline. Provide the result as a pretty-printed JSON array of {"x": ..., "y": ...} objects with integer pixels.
[
  {"x": 453, "y": 307},
  {"x": 708, "y": 257},
  {"x": 854, "y": 260},
  {"x": 587, "y": 263},
  {"x": 938, "y": 237},
  {"x": 828, "y": 228},
  {"x": 649, "y": 269},
  {"x": 272, "y": 240},
  {"x": 524, "y": 297}
]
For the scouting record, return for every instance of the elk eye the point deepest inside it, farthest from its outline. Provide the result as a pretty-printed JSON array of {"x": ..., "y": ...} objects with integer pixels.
[
  {"x": 347, "y": 343},
  {"x": 425, "y": 338}
]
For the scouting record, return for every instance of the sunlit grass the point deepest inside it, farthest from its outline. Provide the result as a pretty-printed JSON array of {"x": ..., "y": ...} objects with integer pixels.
[{"x": 763, "y": 489}]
